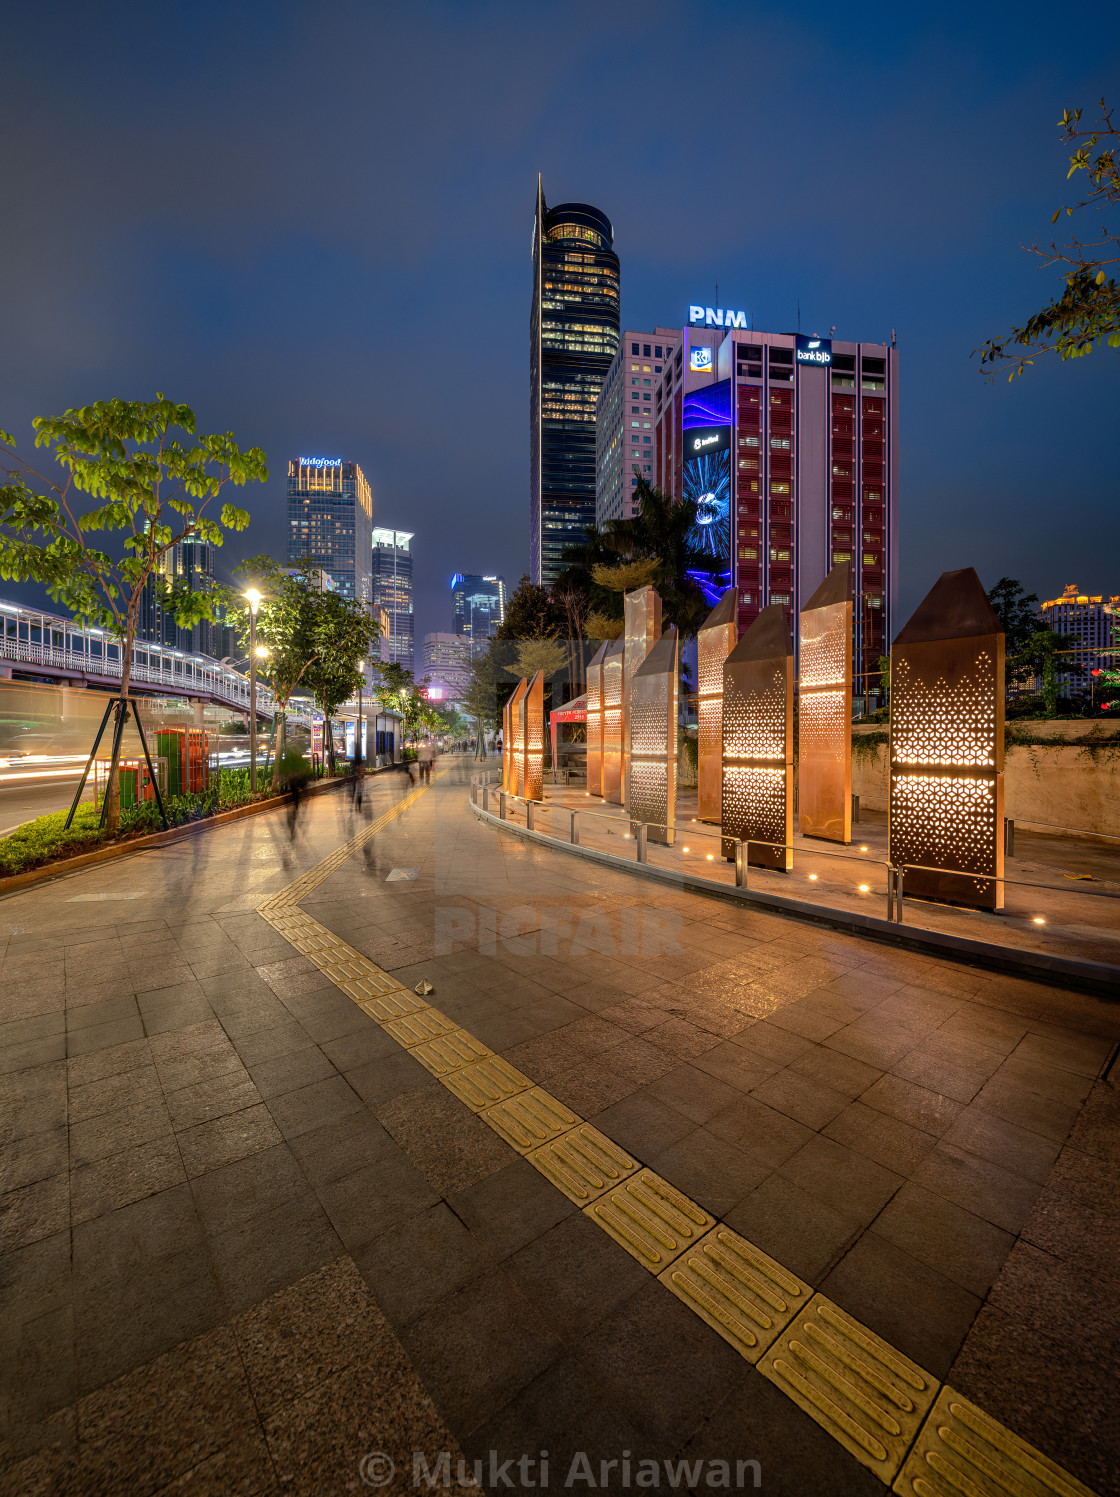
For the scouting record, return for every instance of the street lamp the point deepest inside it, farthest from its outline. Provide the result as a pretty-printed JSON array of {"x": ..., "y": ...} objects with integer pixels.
[
  {"x": 254, "y": 599},
  {"x": 358, "y": 724}
]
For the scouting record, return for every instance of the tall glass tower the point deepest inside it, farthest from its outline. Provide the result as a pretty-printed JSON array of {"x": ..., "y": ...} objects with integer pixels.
[
  {"x": 573, "y": 337},
  {"x": 330, "y": 521},
  {"x": 392, "y": 590}
]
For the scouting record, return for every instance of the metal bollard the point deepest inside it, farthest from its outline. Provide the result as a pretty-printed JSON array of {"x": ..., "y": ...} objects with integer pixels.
[
  {"x": 898, "y": 896},
  {"x": 485, "y": 798},
  {"x": 890, "y": 895},
  {"x": 740, "y": 864},
  {"x": 502, "y": 798},
  {"x": 855, "y": 809},
  {"x": 575, "y": 831},
  {"x": 1008, "y": 837},
  {"x": 530, "y": 807},
  {"x": 643, "y": 855}
]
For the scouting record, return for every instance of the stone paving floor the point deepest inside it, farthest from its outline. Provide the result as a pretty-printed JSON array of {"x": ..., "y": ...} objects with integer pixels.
[{"x": 248, "y": 1241}]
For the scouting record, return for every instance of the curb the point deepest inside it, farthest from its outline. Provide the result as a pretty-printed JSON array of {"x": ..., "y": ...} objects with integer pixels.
[
  {"x": 1098, "y": 978},
  {"x": 17, "y": 881}
]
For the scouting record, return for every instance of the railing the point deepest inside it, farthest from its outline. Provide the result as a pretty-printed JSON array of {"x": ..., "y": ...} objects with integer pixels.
[
  {"x": 895, "y": 875},
  {"x": 176, "y": 673}
]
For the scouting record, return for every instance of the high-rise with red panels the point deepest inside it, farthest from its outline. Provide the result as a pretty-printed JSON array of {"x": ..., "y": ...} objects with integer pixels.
[{"x": 789, "y": 445}]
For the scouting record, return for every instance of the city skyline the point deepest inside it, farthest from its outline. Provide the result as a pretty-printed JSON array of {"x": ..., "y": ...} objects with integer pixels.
[{"x": 862, "y": 243}]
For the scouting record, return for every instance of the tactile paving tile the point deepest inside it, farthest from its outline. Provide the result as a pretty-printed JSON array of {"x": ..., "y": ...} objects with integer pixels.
[
  {"x": 961, "y": 1452},
  {"x": 489, "y": 1081},
  {"x": 583, "y": 1163},
  {"x": 392, "y": 1005},
  {"x": 863, "y": 1392},
  {"x": 451, "y": 1052},
  {"x": 741, "y": 1293},
  {"x": 526, "y": 1121},
  {"x": 416, "y": 1028},
  {"x": 652, "y": 1220}
]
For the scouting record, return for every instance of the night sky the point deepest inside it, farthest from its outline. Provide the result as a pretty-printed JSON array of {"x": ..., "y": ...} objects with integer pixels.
[{"x": 312, "y": 224}]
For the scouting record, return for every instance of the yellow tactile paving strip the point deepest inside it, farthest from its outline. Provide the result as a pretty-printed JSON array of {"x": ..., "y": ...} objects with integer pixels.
[{"x": 920, "y": 1437}]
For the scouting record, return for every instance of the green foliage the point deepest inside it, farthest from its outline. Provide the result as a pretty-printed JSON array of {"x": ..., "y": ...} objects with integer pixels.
[
  {"x": 314, "y": 638},
  {"x": 1015, "y": 611},
  {"x": 1041, "y": 657},
  {"x": 530, "y": 613},
  {"x": 1087, "y": 312}
]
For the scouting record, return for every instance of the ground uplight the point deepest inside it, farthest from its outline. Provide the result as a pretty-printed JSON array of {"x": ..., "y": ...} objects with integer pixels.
[
  {"x": 812, "y": 878},
  {"x": 1038, "y": 920},
  {"x": 684, "y": 849},
  {"x": 865, "y": 888}
]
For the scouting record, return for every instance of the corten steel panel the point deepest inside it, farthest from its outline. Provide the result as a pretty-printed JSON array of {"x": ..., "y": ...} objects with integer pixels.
[
  {"x": 714, "y": 642},
  {"x": 517, "y": 738},
  {"x": 642, "y": 612},
  {"x": 946, "y": 759},
  {"x": 595, "y": 722},
  {"x": 758, "y": 741},
  {"x": 824, "y": 776},
  {"x": 612, "y": 722},
  {"x": 507, "y": 745},
  {"x": 533, "y": 716},
  {"x": 653, "y": 741}
]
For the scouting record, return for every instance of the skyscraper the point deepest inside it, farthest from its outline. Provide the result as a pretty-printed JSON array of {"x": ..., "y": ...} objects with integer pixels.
[
  {"x": 573, "y": 336},
  {"x": 447, "y": 663},
  {"x": 188, "y": 565},
  {"x": 478, "y": 605},
  {"x": 330, "y": 521},
  {"x": 789, "y": 445},
  {"x": 624, "y": 421},
  {"x": 392, "y": 591}
]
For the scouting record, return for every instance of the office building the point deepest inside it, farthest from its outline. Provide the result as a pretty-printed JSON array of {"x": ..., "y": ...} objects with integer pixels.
[
  {"x": 187, "y": 566},
  {"x": 789, "y": 444},
  {"x": 392, "y": 590},
  {"x": 624, "y": 420},
  {"x": 330, "y": 521},
  {"x": 447, "y": 660},
  {"x": 573, "y": 337},
  {"x": 478, "y": 606},
  {"x": 1089, "y": 622}
]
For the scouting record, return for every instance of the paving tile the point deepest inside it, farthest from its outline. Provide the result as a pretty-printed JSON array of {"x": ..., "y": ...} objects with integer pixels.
[
  {"x": 510, "y": 1208},
  {"x": 104, "y": 1011},
  {"x": 450, "y": 1146},
  {"x": 575, "y": 1275},
  {"x": 925, "y": 1314},
  {"x": 930, "y": 1112},
  {"x": 258, "y": 1257},
  {"x": 1076, "y": 1216},
  {"x": 661, "y": 1365},
  {"x": 796, "y": 1228},
  {"x": 34, "y": 1211},
  {"x": 376, "y": 1197},
  {"x": 378, "y": 1082},
  {"x": 774, "y": 1044},
  {"x": 208, "y": 1146},
  {"x": 736, "y": 1065},
  {"x": 643, "y": 1124},
  {"x": 842, "y": 1178},
  {"x": 881, "y": 1048},
  {"x": 34, "y": 1157},
  {"x": 1016, "y": 1103},
  {"x": 801, "y": 1098},
  {"x": 249, "y": 1187},
  {"x": 420, "y": 1263},
  {"x": 102, "y": 1036},
  {"x": 591, "y": 1086},
  {"x": 958, "y": 1083},
  {"x": 957, "y": 1243},
  {"x": 1054, "y": 1082},
  {"x": 123, "y": 1177},
  {"x": 709, "y": 1170},
  {"x": 1083, "y": 1054},
  {"x": 840, "y": 1072},
  {"x": 311, "y": 1106},
  {"x": 987, "y": 1189},
  {"x": 163, "y": 1419},
  {"x": 290, "y": 1071},
  {"x": 215, "y": 1098},
  {"x": 762, "y": 1132}
]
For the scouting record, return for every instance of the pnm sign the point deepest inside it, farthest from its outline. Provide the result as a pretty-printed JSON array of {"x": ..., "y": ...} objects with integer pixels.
[{"x": 716, "y": 317}]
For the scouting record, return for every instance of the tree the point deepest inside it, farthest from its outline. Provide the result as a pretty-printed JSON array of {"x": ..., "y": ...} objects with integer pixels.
[
  {"x": 151, "y": 493},
  {"x": 392, "y": 682},
  {"x": 482, "y": 700},
  {"x": 1038, "y": 659},
  {"x": 307, "y": 636},
  {"x": 529, "y": 613},
  {"x": 1088, "y": 310},
  {"x": 1013, "y": 608}
]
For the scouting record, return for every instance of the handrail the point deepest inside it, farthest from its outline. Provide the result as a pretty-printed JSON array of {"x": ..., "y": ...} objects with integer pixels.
[{"x": 1079, "y": 831}]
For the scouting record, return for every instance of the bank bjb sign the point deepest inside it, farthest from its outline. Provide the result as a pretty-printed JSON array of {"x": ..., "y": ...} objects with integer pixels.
[
  {"x": 716, "y": 317},
  {"x": 814, "y": 351}
]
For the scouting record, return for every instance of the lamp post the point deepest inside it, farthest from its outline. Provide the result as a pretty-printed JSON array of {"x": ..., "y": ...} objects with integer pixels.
[
  {"x": 358, "y": 724},
  {"x": 254, "y": 598}
]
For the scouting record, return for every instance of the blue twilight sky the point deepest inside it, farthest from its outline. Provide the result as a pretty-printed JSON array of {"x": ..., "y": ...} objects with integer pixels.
[{"x": 312, "y": 223}]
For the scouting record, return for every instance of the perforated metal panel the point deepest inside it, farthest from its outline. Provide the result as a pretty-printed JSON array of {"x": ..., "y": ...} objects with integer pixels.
[
  {"x": 714, "y": 643},
  {"x": 612, "y": 722},
  {"x": 595, "y": 722},
  {"x": 516, "y": 710},
  {"x": 653, "y": 741},
  {"x": 642, "y": 612},
  {"x": 533, "y": 775},
  {"x": 507, "y": 746},
  {"x": 946, "y": 767},
  {"x": 757, "y": 779},
  {"x": 825, "y": 713}
]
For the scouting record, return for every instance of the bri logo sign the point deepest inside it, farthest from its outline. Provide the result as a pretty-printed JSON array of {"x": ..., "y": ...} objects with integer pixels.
[{"x": 716, "y": 317}]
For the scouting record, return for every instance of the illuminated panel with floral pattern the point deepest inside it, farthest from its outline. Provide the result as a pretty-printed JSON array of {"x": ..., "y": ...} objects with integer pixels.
[
  {"x": 612, "y": 722},
  {"x": 642, "y": 609},
  {"x": 507, "y": 745},
  {"x": 533, "y": 741},
  {"x": 824, "y": 774},
  {"x": 714, "y": 642},
  {"x": 758, "y": 742},
  {"x": 653, "y": 741},
  {"x": 595, "y": 722},
  {"x": 517, "y": 739},
  {"x": 946, "y": 760}
]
